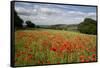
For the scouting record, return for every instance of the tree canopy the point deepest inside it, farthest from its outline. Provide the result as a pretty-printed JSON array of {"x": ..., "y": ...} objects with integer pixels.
[
  {"x": 88, "y": 26},
  {"x": 30, "y": 24},
  {"x": 17, "y": 20}
]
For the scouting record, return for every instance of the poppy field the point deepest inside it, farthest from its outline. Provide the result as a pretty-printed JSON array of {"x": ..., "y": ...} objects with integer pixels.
[{"x": 46, "y": 46}]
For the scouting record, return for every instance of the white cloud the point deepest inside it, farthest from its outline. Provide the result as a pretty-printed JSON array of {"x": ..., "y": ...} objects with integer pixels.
[{"x": 48, "y": 15}]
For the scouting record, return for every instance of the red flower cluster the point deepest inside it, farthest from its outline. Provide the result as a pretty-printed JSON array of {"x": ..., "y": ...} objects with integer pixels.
[
  {"x": 30, "y": 56},
  {"x": 53, "y": 49},
  {"x": 66, "y": 45},
  {"x": 37, "y": 47},
  {"x": 84, "y": 58}
]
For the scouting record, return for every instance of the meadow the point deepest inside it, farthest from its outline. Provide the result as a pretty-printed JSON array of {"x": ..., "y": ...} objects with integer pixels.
[{"x": 47, "y": 46}]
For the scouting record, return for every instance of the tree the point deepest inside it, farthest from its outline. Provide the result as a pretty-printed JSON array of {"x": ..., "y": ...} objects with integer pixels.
[
  {"x": 30, "y": 24},
  {"x": 88, "y": 26},
  {"x": 17, "y": 21}
]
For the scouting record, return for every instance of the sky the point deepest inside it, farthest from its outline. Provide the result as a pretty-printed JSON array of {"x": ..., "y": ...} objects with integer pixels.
[{"x": 51, "y": 14}]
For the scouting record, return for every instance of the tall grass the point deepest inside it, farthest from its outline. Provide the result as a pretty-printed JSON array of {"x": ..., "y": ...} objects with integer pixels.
[{"x": 45, "y": 46}]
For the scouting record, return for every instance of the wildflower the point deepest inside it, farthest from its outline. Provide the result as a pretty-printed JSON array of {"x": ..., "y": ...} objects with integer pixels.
[
  {"x": 93, "y": 59},
  {"x": 48, "y": 62},
  {"x": 26, "y": 46},
  {"x": 58, "y": 62},
  {"x": 93, "y": 55},
  {"x": 53, "y": 49},
  {"x": 89, "y": 57},
  {"x": 17, "y": 55},
  {"x": 82, "y": 60},
  {"x": 82, "y": 57},
  {"x": 87, "y": 60},
  {"x": 30, "y": 56}
]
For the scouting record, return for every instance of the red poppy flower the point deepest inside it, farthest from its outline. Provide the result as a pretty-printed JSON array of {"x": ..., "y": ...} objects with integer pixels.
[
  {"x": 30, "y": 56},
  {"x": 53, "y": 49},
  {"x": 93, "y": 59},
  {"x": 17, "y": 55},
  {"x": 87, "y": 60},
  {"x": 48, "y": 62},
  {"x": 89, "y": 57},
  {"x": 82, "y": 60},
  {"x": 58, "y": 62},
  {"x": 62, "y": 48},
  {"x": 26, "y": 46},
  {"x": 93, "y": 55},
  {"x": 23, "y": 52},
  {"x": 82, "y": 57}
]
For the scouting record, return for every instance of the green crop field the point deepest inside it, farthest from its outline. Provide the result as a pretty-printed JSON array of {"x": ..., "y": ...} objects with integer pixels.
[{"x": 45, "y": 46}]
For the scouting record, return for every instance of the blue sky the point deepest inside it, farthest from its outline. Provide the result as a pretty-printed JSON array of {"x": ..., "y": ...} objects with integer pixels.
[{"x": 50, "y": 14}]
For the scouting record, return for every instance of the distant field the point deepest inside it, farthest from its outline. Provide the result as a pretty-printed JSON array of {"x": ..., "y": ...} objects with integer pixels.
[{"x": 45, "y": 46}]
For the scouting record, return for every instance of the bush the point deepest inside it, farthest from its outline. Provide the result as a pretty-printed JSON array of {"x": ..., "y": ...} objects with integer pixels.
[
  {"x": 88, "y": 26},
  {"x": 30, "y": 24}
]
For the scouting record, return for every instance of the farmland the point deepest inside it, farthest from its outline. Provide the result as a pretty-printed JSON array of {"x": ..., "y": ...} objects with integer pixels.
[{"x": 47, "y": 46}]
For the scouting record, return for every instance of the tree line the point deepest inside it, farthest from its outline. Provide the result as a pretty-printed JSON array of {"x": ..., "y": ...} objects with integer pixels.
[
  {"x": 18, "y": 22},
  {"x": 88, "y": 26}
]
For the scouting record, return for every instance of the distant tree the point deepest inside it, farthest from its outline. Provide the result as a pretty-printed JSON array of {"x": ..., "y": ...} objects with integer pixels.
[
  {"x": 38, "y": 26},
  {"x": 30, "y": 24},
  {"x": 88, "y": 26},
  {"x": 17, "y": 20}
]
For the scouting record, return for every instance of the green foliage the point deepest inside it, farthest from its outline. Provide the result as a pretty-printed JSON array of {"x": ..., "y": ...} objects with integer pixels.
[
  {"x": 38, "y": 26},
  {"x": 88, "y": 26},
  {"x": 30, "y": 24},
  {"x": 17, "y": 20}
]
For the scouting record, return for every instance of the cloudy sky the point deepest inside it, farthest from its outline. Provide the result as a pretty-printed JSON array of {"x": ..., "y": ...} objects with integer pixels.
[{"x": 50, "y": 14}]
